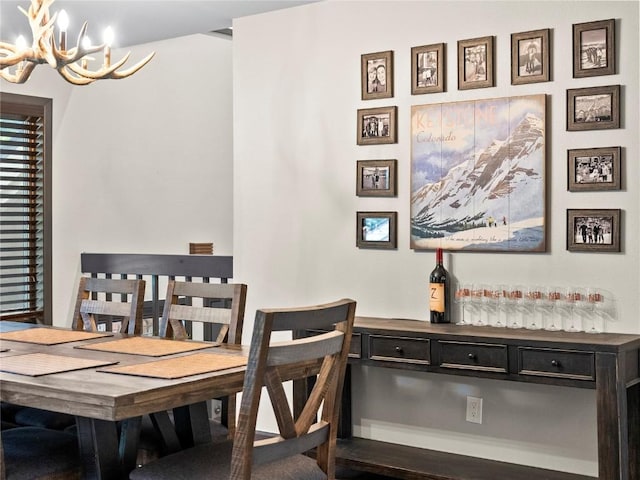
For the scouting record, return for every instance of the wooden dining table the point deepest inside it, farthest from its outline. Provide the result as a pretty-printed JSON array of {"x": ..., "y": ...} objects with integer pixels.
[{"x": 109, "y": 381}]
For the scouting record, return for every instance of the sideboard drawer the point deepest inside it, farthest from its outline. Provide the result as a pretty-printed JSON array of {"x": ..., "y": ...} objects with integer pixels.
[
  {"x": 399, "y": 349},
  {"x": 486, "y": 357},
  {"x": 556, "y": 363}
]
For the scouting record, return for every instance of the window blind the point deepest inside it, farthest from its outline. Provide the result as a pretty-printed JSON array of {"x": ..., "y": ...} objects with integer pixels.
[{"x": 23, "y": 210}]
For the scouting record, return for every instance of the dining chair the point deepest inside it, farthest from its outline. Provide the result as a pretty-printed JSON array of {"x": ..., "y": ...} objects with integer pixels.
[
  {"x": 32, "y": 453},
  {"x": 220, "y": 307},
  {"x": 323, "y": 359},
  {"x": 88, "y": 310}
]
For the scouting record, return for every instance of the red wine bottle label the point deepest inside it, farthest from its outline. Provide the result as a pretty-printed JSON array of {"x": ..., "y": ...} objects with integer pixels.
[{"x": 436, "y": 297}]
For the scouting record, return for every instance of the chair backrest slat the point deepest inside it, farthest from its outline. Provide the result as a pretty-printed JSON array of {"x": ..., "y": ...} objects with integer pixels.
[
  {"x": 323, "y": 357},
  {"x": 201, "y": 314},
  {"x": 106, "y": 308},
  {"x": 305, "y": 349}
]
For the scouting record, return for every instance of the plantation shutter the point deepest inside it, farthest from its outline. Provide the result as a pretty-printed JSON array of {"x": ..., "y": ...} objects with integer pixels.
[{"x": 24, "y": 207}]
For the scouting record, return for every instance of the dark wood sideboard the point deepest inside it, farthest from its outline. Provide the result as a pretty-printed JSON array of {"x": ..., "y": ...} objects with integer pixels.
[{"x": 606, "y": 362}]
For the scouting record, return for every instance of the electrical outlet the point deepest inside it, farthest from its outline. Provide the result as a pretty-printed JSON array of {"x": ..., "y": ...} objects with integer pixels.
[{"x": 474, "y": 410}]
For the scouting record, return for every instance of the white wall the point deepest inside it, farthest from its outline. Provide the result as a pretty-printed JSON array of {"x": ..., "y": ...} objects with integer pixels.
[
  {"x": 143, "y": 164},
  {"x": 296, "y": 92}
]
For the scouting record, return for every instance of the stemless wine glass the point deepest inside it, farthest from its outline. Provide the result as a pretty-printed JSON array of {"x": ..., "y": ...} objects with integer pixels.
[{"x": 462, "y": 298}]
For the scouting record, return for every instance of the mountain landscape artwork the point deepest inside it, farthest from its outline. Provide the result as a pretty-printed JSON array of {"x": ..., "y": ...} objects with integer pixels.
[{"x": 478, "y": 175}]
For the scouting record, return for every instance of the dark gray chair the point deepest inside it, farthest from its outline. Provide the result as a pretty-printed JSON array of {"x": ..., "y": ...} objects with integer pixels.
[
  {"x": 32, "y": 453},
  {"x": 322, "y": 357}
]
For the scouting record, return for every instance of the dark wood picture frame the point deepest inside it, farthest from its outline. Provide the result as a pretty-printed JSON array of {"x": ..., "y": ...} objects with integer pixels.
[
  {"x": 376, "y": 178},
  {"x": 428, "y": 69},
  {"x": 593, "y": 230},
  {"x": 594, "y": 48},
  {"x": 369, "y": 223},
  {"x": 593, "y": 169},
  {"x": 374, "y": 69},
  {"x": 377, "y": 126},
  {"x": 530, "y": 57},
  {"x": 475, "y": 63},
  {"x": 593, "y": 108}
]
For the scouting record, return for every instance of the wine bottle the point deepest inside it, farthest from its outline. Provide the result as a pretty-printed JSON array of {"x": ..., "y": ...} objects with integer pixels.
[{"x": 439, "y": 292}]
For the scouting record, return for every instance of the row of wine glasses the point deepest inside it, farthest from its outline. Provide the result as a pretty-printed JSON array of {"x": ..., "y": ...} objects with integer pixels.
[{"x": 572, "y": 309}]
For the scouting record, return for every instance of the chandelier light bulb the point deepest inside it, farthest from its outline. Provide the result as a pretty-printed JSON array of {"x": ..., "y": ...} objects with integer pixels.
[
  {"x": 86, "y": 42},
  {"x": 63, "y": 24},
  {"x": 63, "y": 20},
  {"x": 108, "y": 36},
  {"x": 21, "y": 43}
]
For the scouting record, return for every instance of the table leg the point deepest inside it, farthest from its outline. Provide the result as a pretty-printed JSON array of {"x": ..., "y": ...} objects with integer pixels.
[
  {"x": 613, "y": 418},
  {"x": 192, "y": 424},
  {"x": 167, "y": 431},
  {"x": 99, "y": 451},
  {"x": 129, "y": 436}
]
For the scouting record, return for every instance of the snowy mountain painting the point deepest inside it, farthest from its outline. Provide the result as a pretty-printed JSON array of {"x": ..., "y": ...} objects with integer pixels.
[{"x": 478, "y": 175}]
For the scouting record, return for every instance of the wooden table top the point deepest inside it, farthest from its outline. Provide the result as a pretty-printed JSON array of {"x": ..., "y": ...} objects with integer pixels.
[{"x": 110, "y": 396}]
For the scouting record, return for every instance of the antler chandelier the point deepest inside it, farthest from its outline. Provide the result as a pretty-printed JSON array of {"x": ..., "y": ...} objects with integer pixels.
[{"x": 18, "y": 61}]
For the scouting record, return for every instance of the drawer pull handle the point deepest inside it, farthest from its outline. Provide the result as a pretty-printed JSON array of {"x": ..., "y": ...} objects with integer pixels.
[
  {"x": 471, "y": 356},
  {"x": 555, "y": 363},
  {"x": 399, "y": 350}
]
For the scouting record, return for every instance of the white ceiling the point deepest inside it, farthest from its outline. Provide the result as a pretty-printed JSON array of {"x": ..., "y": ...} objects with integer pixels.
[{"x": 139, "y": 21}]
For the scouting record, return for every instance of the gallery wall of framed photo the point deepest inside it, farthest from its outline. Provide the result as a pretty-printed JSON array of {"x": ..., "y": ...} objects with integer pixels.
[
  {"x": 449, "y": 208},
  {"x": 300, "y": 162}
]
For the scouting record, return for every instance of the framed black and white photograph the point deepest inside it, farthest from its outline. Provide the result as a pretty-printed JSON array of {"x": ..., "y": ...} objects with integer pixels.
[
  {"x": 593, "y": 230},
  {"x": 427, "y": 69},
  {"x": 376, "y": 178},
  {"x": 594, "y": 45},
  {"x": 376, "y": 230},
  {"x": 530, "y": 57},
  {"x": 475, "y": 63},
  {"x": 593, "y": 169},
  {"x": 377, "y": 75},
  {"x": 377, "y": 125},
  {"x": 594, "y": 108}
]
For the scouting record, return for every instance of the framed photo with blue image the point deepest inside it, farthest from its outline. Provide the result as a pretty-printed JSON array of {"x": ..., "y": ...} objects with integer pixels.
[{"x": 376, "y": 230}]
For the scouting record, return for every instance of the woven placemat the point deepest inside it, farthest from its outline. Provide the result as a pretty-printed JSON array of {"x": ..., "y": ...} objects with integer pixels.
[
  {"x": 179, "y": 367},
  {"x": 152, "y": 347},
  {"x": 36, "y": 364},
  {"x": 49, "y": 336}
]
